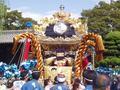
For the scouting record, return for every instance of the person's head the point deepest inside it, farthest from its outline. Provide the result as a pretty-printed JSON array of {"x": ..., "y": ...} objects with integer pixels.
[
  {"x": 35, "y": 74},
  {"x": 76, "y": 84},
  {"x": 9, "y": 83},
  {"x": 23, "y": 75},
  {"x": 47, "y": 82},
  {"x": 88, "y": 76},
  {"x": 114, "y": 81},
  {"x": 101, "y": 82},
  {"x": 118, "y": 77},
  {"x": 61, "y": 78}
]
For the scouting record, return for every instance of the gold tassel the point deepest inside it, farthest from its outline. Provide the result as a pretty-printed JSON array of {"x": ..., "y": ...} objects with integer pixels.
[
  {"x": 99, "y": 44},
  {"x": 99, "y": 48}
]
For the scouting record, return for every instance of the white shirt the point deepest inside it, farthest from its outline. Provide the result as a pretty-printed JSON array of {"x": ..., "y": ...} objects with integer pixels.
[
  {"x": 3, "y": 87},
  {"x": 18, "y": 84}
]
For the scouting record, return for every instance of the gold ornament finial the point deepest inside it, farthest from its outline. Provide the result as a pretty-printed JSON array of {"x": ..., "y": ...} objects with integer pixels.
[
  {"x": 61, "y": 15},
  {"x": 62, "y": 7}
]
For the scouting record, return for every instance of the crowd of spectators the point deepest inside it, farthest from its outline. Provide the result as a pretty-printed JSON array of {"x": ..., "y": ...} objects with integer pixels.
[{"x": 30, "y": 80}]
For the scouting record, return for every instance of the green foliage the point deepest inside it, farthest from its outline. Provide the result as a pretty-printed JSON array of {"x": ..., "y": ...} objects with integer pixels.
[
  {"x": 109, "y": 61},
  {"x": 112, "y": 52},
  {"x": 12, "y": 20},
  {"x": 15, "y": 21},
  {"x": 109, "y": 43},
  {"x": 103, "y": 18},
  {"x": 113, "y": 35},
  {"x": 118, "y": 47},
  {"x": 112, "y": 44},
  {"x": 118, "y": 41},
  {"x": 3, "y": 10},
  {"x": 113, "y": 47},
  {"x": 24, "y": 20}
]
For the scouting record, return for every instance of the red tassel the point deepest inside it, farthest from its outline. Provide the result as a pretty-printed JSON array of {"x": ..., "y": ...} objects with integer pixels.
[
  {"x": 26, "y": 51},
  {"x": 85, "y": 63}
]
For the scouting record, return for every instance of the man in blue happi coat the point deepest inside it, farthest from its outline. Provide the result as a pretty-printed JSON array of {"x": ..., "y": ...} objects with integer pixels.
[{"x": 33, "y": 84}]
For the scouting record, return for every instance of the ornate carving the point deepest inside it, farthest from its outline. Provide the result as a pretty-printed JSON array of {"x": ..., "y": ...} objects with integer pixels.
[{"x": 61, "y": 15}]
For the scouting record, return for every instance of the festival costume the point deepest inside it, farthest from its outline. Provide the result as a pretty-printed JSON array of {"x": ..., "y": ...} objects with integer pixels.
[
  {"x": 32, "y": 85},
  {"x": 60, "y": 86}
]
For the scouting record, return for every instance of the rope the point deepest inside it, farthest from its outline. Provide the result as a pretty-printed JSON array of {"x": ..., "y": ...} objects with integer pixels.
[
  {"x": 21, "y": 56},
  {"x": 15, "y": 53}
]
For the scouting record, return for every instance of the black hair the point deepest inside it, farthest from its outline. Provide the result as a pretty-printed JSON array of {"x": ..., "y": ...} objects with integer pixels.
[
  {"x": 76, "y": 83},
  {"x": 35, "y": 74},
  {"x": 89, "y": 75},
  {"x": 53, "y": 69},
  {"x": 46, "y": 81},
  {"x": 55, "y": 80},
  {"x": 9, "y": 83},
  {"x": 23, "y": 75}
]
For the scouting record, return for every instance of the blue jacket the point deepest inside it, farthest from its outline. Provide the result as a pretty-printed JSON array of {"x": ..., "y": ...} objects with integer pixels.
[
  {"x": 88, "y": 87},
  {"x": 60, "y": 87},
  {"x": 32, "y": 85}
]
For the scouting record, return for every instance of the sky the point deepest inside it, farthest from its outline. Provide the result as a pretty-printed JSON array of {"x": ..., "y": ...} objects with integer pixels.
[{"x": 37, "y": 9}]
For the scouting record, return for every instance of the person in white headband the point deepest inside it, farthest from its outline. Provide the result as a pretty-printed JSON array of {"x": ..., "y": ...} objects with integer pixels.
[
  {"x": 61, "y": 78},
  {"x": 60, "y": 85}
]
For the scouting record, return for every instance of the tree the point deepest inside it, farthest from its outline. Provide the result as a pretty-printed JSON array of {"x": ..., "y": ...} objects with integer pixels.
[
  {"x": 24, "y": 20},
  {"x": 112, "y": 44},
  {"x": 103, "y": 18},
  {"x": 15, "y": 21},
  {"x": 109, "y": 62},
  {"x": 3, "y": 10}
]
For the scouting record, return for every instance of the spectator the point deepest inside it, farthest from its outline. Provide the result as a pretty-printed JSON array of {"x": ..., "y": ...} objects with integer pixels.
[
  {"x": 2, "y": 86},
  {"x": 33, "y": 84},
  {"x": 48, "y": 84},
  {"x": 114, "y": 84},
  {"x": 10, "y": 84},
  {"x": 60, "y": 85},
  {"x": 88, "y": 76},
  {"x": 77, "y": 85},
  {"x": 118, "y": 85},
  {"x": 17, "y": 84},
  {"x": 101, "y": 82}
]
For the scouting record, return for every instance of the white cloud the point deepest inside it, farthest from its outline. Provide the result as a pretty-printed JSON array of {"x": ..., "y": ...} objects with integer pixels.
[
  {"x": 75, "y": 15},
  {"x": 23, "y": 8},
  {"x": 35, "y": 16},
  {"x": 26, "y": 12},
  {"x": 38, "y": 16},
  {"x": 51, "y": 12}
]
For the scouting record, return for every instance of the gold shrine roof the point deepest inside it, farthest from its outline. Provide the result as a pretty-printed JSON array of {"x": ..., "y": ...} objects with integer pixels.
[
  {"x": 62, "y": 16},
  {"x": 59, "y": 40},
  {"x": 74, "y": 25}
]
